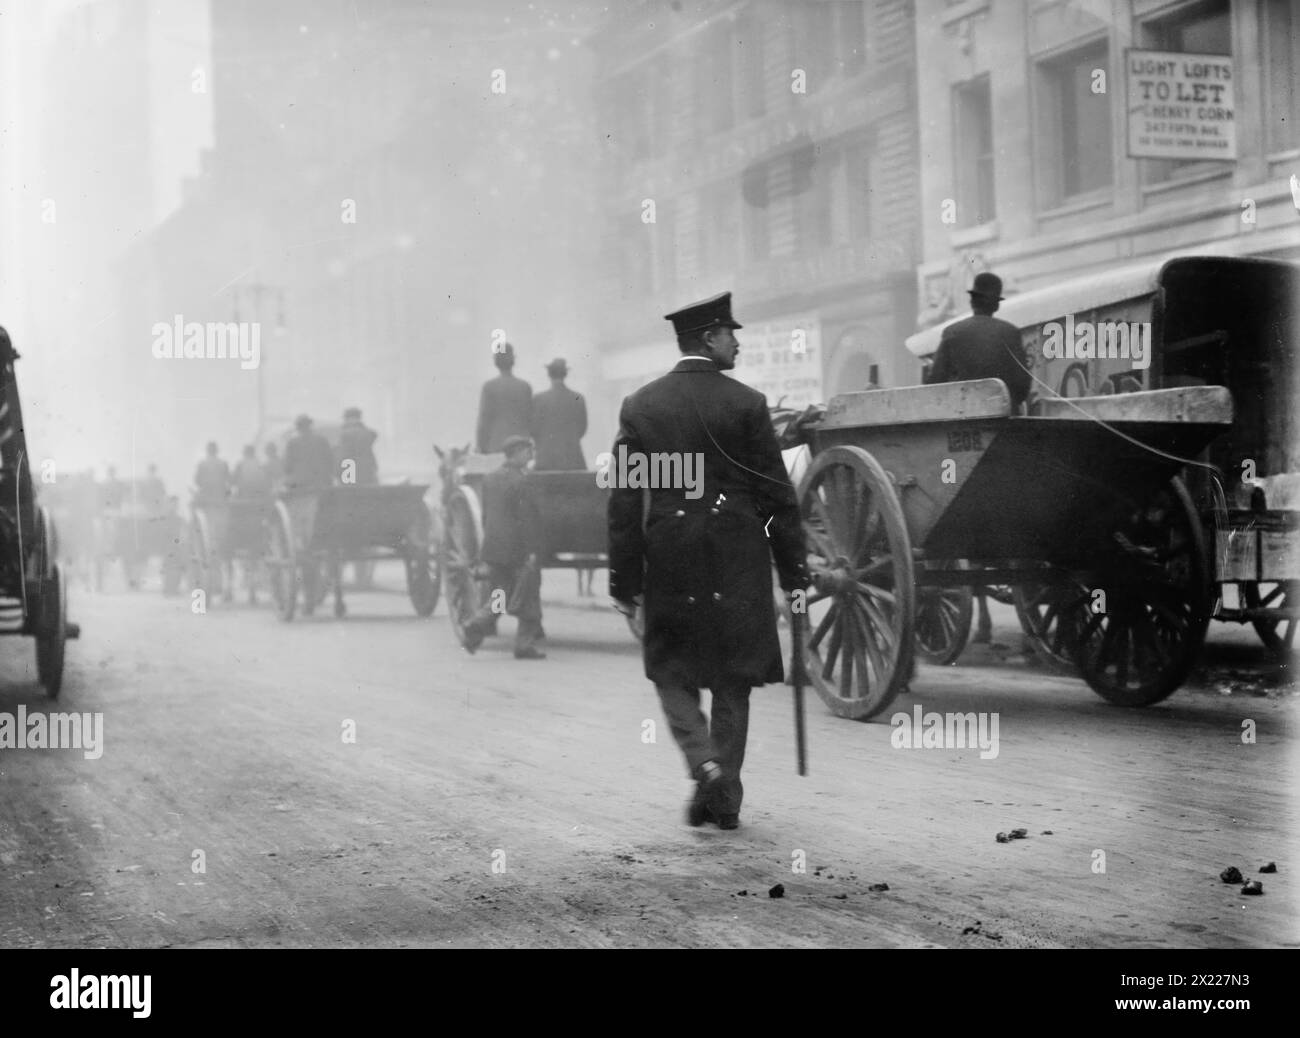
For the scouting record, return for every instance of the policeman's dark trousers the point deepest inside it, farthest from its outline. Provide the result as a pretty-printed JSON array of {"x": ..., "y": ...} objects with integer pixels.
[
  {"x": 723, "y": 740},
  {"x": 529, "y": 614}
]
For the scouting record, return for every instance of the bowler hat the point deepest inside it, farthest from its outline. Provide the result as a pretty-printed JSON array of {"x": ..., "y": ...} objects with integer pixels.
[
  {"x": 987, "y": 285},
  {"x": 516, "y": 443},
  {"x": 557, "y": 368},
  {"x": 352, "y": 412},
  {"x": 708, "y": 313},
  {"x": 303, "y": 421}
]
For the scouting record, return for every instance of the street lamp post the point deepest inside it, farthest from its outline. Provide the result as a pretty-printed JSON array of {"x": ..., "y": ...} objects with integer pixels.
[{"x": 256, "y": 290}]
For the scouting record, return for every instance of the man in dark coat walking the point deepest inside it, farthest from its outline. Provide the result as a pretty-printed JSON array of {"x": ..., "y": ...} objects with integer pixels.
[
  {"x": 983, "y": 346},
  {"x": 505, "y": 407},
  {"x": 701, "y": 562},
  {"x": 512, "y": 548},
  {"x": 559, "y": 422}
]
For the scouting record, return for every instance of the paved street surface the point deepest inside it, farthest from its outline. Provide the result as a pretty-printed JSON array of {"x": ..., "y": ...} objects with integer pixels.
[{"x": 493, "y": 802}]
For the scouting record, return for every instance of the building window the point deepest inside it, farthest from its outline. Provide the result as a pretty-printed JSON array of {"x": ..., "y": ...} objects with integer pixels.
[
  {"x": 857, "y": 183},
  {"x": 1281, "y": 34},
  {"x": 714, "y": 89},
  {"x": 749, "y": 55},
  {"x": 756, "y": 198},
  {"x": 973, "y": 150},
  {"x": 850, "y": 36},
  {"x": 812, "y": 190},
  {"x": 719, "y": 227},
  {"x": 1205, "y": 28},
  {"x": 1074, "y": 126}
]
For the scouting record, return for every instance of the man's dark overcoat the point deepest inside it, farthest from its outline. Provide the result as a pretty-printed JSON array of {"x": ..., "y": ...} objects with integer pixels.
[
  {"x": 559, "y": 424},
  {"x": 983, "y": 347},
  {"x": 705, "y": 564},
  {"x": 357, "y": 444},
  {"x": 512, "y": 521},
  {"x": 505, "y": 409}
]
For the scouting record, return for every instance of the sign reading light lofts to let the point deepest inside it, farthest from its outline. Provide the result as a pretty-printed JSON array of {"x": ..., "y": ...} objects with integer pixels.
[{"x": 1180, "y": 106}]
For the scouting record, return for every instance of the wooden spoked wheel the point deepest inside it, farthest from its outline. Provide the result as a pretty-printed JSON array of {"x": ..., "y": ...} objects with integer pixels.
[
  {"x": 52, "y": 634},
  {"x": 465, "y": 574},
  {"x": 1278, "y": 635},
  {"x": 1050, "y": 616},
  {"x": 1138, "y": 643},
  {"x": 859, "y": 648},
  {"x": 205, "y": 564},
  {"x": 423, "y": 572},
  {"x": 282, "y": 564},
  {"x": 943, "y": 619}
]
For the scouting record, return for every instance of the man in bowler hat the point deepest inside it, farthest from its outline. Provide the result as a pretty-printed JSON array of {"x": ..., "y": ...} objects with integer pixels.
[
  {"x": 559, "y": 422},
  {"x": 505, "y": 406},
  {"x": 701, "y": 563},
  {"x": 983, "y": 346}
]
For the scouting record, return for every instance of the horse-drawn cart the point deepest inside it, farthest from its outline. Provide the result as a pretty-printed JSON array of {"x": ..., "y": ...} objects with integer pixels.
[
  {"x": 1083, "y": 500},
  {"x": 314, "y": 533},
  {"x": 33, "y": 596}
]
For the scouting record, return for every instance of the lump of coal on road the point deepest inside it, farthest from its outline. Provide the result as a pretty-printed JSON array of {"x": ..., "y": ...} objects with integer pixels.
[
  {"x": 1231, "y": 874},
  {"x": 1003, "y": 838},
  {"x": 878, "y": 887},
  {"x": 743, "y": 893},
  {"x": 1253, "y": 887},
  {"x": 777, "y": 891},
  {"x": 840, "y": 897},
  {"x": 1048, "y": 832},
  {"x": 1270, "y": 867},
  {"x": 1019, "y": 834}
]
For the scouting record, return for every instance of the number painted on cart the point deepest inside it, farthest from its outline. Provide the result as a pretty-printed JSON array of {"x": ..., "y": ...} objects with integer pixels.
[{"x": 965, "y": 440}]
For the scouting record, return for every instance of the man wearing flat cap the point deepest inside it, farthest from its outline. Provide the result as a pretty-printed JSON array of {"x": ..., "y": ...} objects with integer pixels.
[
  {"x": 700, "y": 561},
  {"x": 559, "y": 422},
  {"x": 505, "y": 407},
  {"x": 983, "y": 346},
  {"x": 308, "y": 468},
  {"x": 512, "y": 531}
]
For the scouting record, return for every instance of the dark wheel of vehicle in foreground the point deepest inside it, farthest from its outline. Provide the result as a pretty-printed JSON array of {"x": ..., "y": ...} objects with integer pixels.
[{"x": 1139, "y": 639}]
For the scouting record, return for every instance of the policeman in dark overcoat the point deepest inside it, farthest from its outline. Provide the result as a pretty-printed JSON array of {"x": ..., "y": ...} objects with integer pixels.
[
  {"x": 505, "y": 406},
  {"x": 983, "y": 346},
  {"x": 701, "y": 562},
  {"x": 559, "y": 422},
  {"x": 512, "y": 548}
]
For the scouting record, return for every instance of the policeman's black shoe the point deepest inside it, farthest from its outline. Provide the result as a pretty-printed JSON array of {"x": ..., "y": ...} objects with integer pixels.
[
  {"x": 699, "y": 810},
  {"x": 530, "y": 654},
  {"x": 729, "y": 821}
]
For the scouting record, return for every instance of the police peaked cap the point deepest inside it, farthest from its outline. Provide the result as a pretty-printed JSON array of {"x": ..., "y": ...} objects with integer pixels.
[{"x": 708, "y": 313}]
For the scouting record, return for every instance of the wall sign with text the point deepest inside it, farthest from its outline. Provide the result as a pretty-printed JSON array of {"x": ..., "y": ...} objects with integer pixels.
[{"x": 1180, "y": 106}]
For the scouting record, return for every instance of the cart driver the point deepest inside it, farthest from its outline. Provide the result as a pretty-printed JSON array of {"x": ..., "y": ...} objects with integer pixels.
[
  {"x": 983, "y": 346},
  {"x": 308, "y": 469}
]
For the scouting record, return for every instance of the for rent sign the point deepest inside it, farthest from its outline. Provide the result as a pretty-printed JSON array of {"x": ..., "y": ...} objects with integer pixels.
[
  {"x": 1180, "y": 106},
  {"x": 783, "y": 360}
]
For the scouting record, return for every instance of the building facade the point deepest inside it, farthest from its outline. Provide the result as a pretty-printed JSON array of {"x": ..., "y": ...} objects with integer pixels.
[
  {"x": 1067, "y": 139},
  {"x": 767, "y": 148}
]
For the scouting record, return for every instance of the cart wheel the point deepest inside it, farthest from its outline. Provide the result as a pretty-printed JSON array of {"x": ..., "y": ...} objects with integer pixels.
[
  {"x": 1050, "y": 614},
  {"x": 206, "y": 564},
  {"x": 52, "y": 633},
  {"x": 861, "y": 607},
  {"x": 423, "y": 569},
  {"x": 943, "y": 619},
  {"x": 467, "y": 586},
  {"x": 1278, "y": 635},
  {"x": 282, "y": 564},
  {"x": 1141, "y": 646}
]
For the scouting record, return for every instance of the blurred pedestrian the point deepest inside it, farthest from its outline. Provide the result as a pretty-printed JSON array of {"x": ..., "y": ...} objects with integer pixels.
[{"x": 505, "y": 406}]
